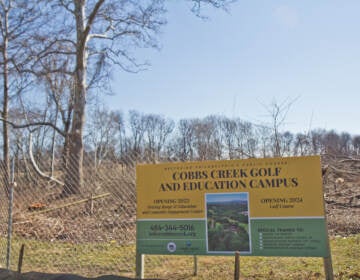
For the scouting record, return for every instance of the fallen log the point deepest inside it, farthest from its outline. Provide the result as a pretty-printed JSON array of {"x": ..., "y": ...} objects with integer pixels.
[{"x": 70, "y": 204}]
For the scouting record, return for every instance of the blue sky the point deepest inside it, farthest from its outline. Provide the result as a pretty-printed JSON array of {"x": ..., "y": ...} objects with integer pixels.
[
  {"x": 238, "y": 63},
  {"x": 226, "y": 197}
]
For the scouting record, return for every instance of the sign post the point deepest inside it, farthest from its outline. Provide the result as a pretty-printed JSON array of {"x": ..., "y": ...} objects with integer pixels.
[
  {"x": 139, "y": 265},
  {"x": 237, "y": 266},
  {"x": 329, "y": 274},
  {"x": 258, "y": 207}
]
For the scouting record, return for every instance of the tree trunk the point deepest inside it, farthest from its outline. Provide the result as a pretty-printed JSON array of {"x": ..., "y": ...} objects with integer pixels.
[
  {"x": 5, "y": 109},
  {"x": 66, "y": 149},
  {"x": 74, "y": 169}
]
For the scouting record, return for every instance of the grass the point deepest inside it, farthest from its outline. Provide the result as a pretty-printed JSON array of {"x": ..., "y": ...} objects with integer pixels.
[{"x": 113, "y": 258}]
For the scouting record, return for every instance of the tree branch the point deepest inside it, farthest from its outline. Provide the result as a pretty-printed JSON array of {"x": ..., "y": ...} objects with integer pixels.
[
  {"x": 92, "y": 17},
  {"x": 37, "y": 169},
  {"x": 34, "y": 124}
]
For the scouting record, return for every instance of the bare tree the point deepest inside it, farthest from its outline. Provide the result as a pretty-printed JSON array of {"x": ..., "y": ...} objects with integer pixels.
[
  {"x": 317, "y": 145},
  {"x": 97, "y": 33},
  {"x": 137, "y": 127},
  {"x": 251, "y": 140},
  {"x": 59, "y": 88},
  {"x": 204, "y": 138},
  {"x": 264, "y": 133},
  {"x": 229, "y": 129},
  {"x": 332, "y": 142},
  {"x": 217, "y": 137},
  {"x": 345, "y": 143},
  {"x": 287, "y": 143},
  {"x": 18, "y": 19},
  {"x": 184, "y": 140},
  {"x": 356, "y": 144},
  {"x": 157, "y": 130},
  {"x": 302, "y": 144},
  {"x": 245, "y": 141},
  {"x": 278, "y": 113},
  {"x": 102, "y": 130}
]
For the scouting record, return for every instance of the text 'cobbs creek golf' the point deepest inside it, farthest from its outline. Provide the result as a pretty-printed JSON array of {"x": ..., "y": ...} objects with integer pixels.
[{"x": 232, "y": 179}]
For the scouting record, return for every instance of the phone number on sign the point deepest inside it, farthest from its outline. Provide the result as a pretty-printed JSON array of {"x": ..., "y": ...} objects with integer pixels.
[{"x": 185, "y": 227}]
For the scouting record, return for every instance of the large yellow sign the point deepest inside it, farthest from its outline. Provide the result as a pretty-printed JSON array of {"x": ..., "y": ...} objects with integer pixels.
[
  {"x": 271, "y": 206},
  {"x": 276, "y": 187}
]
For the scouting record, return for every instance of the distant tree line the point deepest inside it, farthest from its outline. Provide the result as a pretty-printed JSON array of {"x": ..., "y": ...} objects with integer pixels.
[
  {"x": 111, "y": 136},
  {"x": 155, "y": 138}
]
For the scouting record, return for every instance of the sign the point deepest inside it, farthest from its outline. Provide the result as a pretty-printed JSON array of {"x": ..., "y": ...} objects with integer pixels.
[{"x": 260, "y": 207}]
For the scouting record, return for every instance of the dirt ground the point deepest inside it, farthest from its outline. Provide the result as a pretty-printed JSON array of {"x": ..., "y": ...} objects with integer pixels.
[{"x": 342, "y": 194}]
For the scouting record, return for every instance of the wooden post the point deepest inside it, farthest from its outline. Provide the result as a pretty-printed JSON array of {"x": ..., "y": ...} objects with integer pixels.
[
  {"x": 329, "y": 273},
  {"x": 237, "y": 266},
  {"x": 195, "y": 265},
  {"x": 91, "y": 204},
  {"x": 10, "y": 223},
  {"x": 139, "y": 265},
  {"x": 21, "y": 256}
]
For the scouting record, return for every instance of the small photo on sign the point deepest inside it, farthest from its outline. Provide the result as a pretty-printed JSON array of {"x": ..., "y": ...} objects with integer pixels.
[{"x": 227, "y": 218}]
